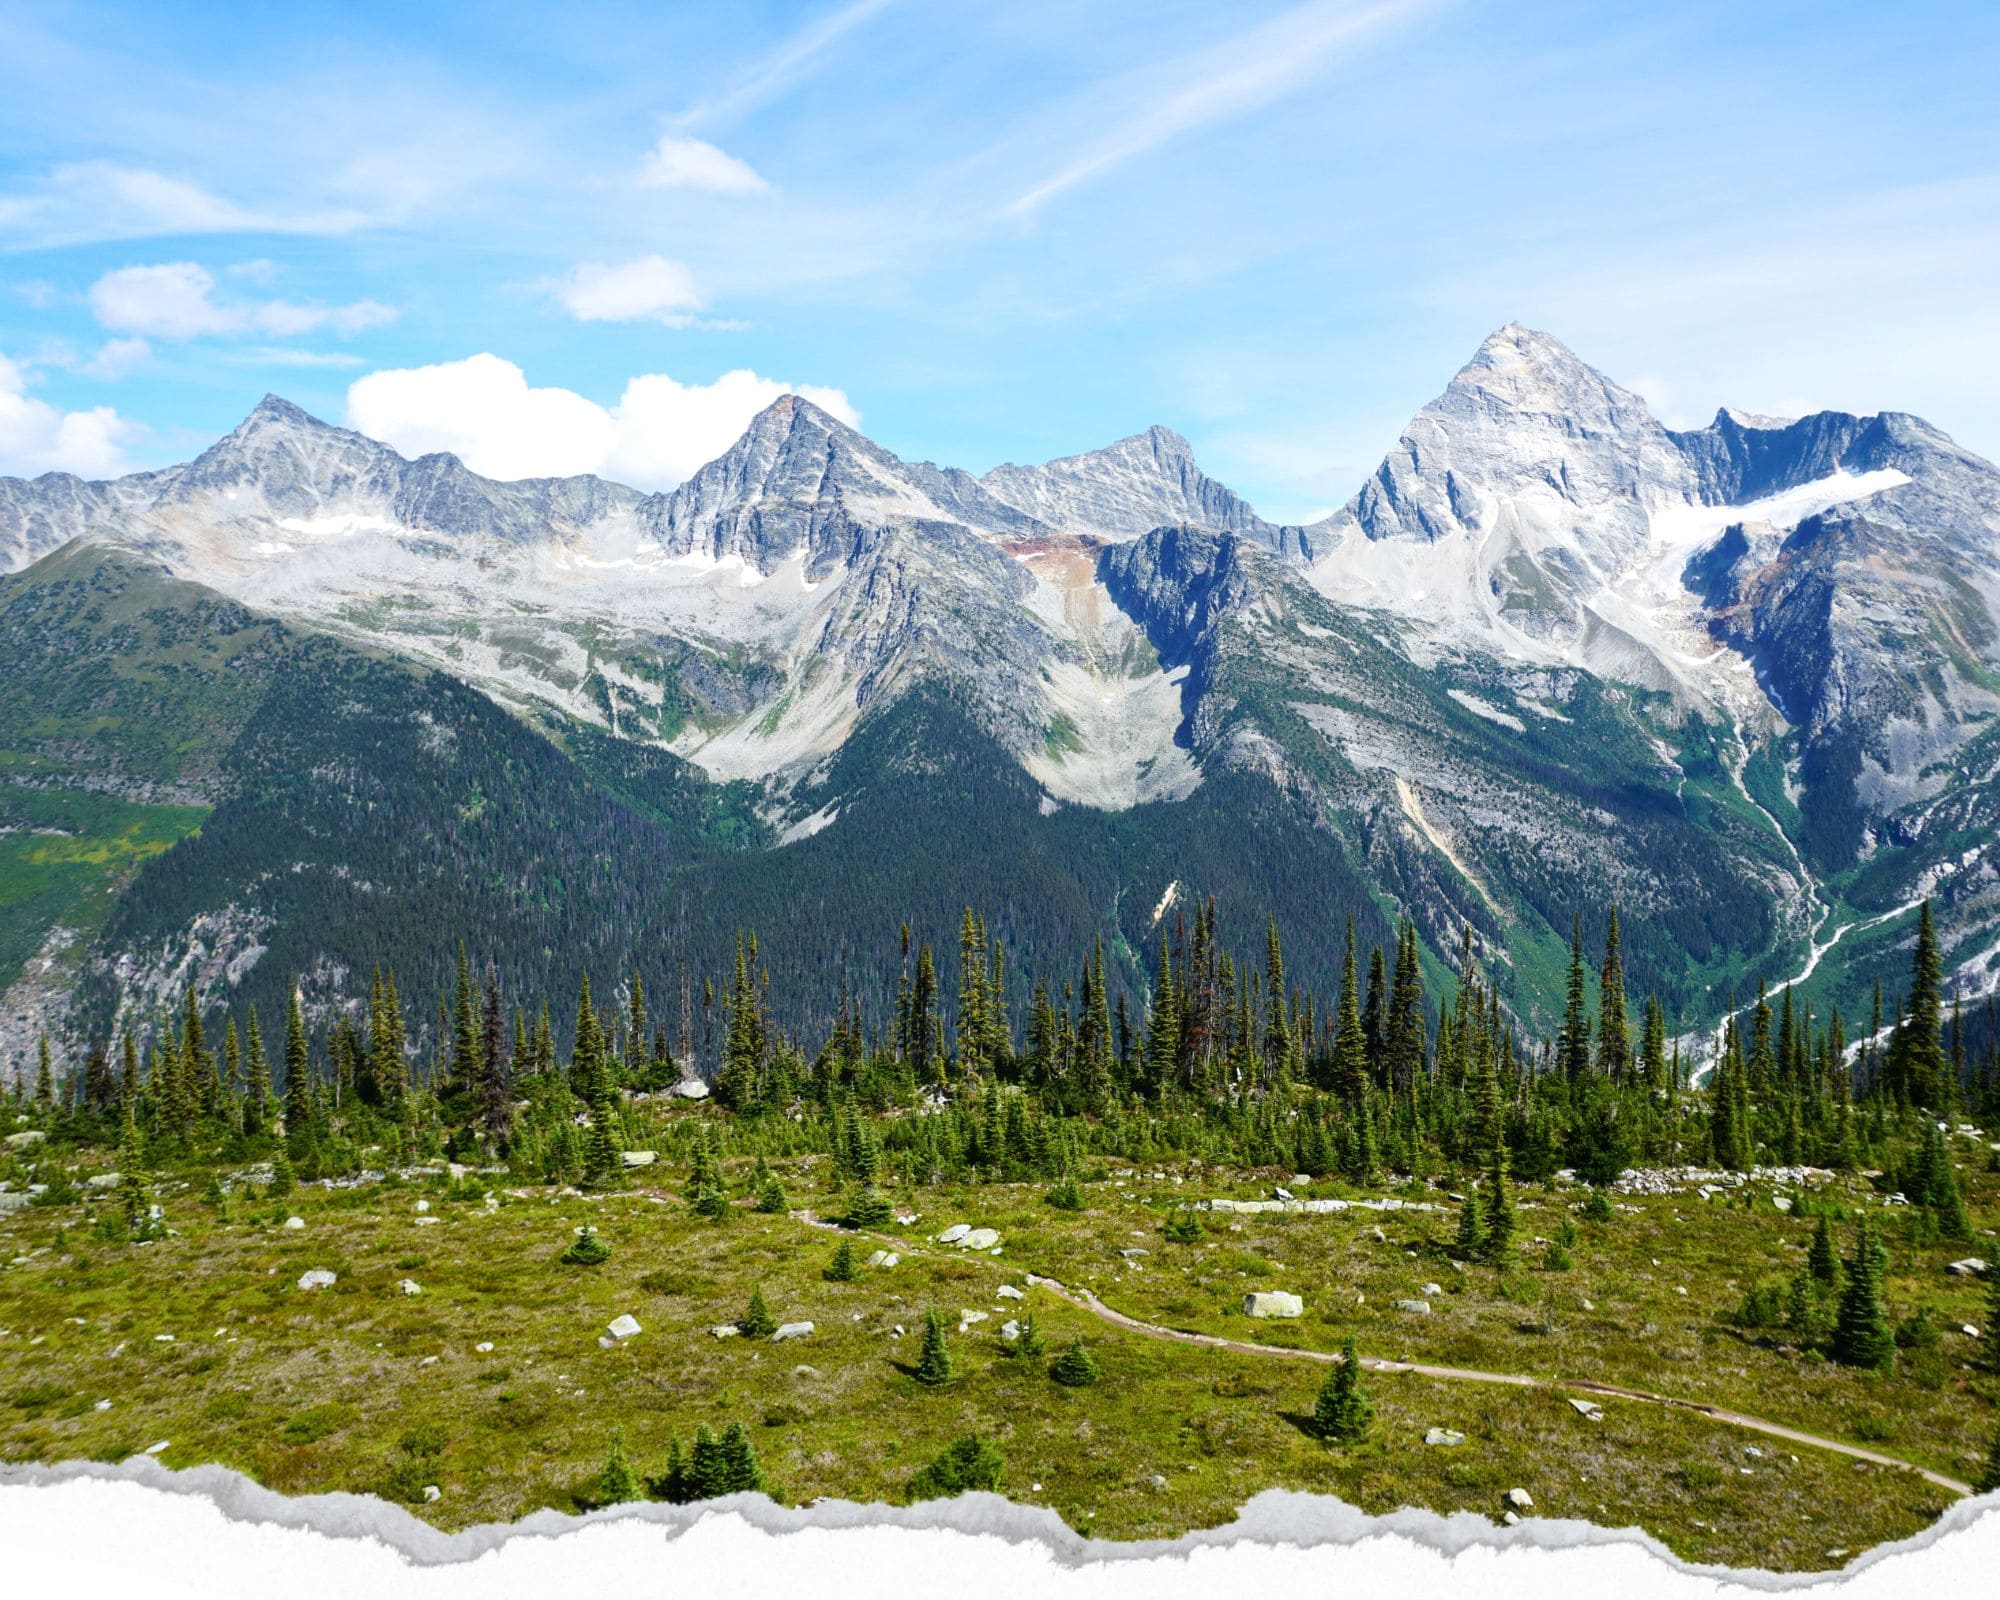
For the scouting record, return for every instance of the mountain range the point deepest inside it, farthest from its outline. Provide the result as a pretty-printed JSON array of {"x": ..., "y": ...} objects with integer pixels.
[{"x": 302, "y": 706}]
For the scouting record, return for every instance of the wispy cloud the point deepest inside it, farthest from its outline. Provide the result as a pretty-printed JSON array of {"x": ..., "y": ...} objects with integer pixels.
[
  {"x": 1249, "y": 71},
  {"x": 176, "y": 300},
  {"x": 766, "y": 79},
  {"x": 82, "y": 201}
]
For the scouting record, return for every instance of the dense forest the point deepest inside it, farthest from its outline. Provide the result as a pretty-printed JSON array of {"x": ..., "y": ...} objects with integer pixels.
[{"x": 1224, "y": 1060}]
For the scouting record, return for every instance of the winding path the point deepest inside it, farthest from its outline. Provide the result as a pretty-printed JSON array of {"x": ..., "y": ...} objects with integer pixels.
[{"x": 1085, "y": 1300}]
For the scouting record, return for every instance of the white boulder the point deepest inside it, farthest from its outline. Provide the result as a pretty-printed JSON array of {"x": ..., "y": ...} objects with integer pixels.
[
  {"x": 624, "y": 1327},
  {"x": 293, "y": 1224},
  {"x": 409, "y": 1286},
  {"x": 1447, "y": 1436},
  {"x": 639, "y": 1158},
  {"x": 792, "y": 1330},
  {"x": 956, "y": 1232},
  {"x": 318, "y": 1278},
  {"x": 1273, "y": 1303}
]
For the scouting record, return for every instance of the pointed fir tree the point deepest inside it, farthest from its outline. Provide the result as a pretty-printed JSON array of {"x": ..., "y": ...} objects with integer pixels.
[
  {"x": 934, "y": 1365},
  {"x": 757, "y": 1321},
  {"x": 618, "y": 1484},
  {"x": 1342, "y": 1414},
  {"x": 1861, "y": 1335},
  {"x": 841, "y": 1268},
  {"x": 1915, "y": 1064},
  {"x": 1573, "y": 1043},
  {"x": 1614, "y": 1041},
  {"x": 1074, "y": 1369},
  {"x": 1471, "y": 1242}
]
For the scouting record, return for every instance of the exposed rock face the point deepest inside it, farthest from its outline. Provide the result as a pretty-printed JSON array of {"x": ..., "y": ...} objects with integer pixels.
[{"x": 1126, "y": 489}]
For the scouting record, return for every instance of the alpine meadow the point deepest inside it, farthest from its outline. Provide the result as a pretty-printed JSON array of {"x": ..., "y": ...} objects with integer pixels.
[{"x": 848, "y": 978}]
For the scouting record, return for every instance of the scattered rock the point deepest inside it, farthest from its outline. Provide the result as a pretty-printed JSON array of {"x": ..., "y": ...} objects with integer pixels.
[
  {"x": 639, "y": 1158},
  {"x": 1970, "y": 1267},
  {"x": 425, "y": 1222},
  {"x": 804, "y": 1371},
  {"x": 102, "y": 1405},
  {"x": 956, "y": 1232},
  {"x": 1449, "y": 1436},
  {"x": 295, "y": 1223},
  {"x": 979, "y": 1239},
  {"x": 1416, "y": 1308},
  {"x": 423, "y": 1206},
  {"x": 409, "y": 1286},
  {"x": 431, "y": 1492},
  {"x": 103, "y": 1180},
  {"x": 318, "y": 1278},
  {"x": 1520, "y": 1499},
  {"x": 1433, "y": 1289},
  {"x": 1273, "y": 1303},
  {"x": 1010, "y": 1330},
  {"x": 691, "y": 1089},
  {"x": 725, "y": 1330},
  {"x": 155, "y": 1449},
  {"x": 1588, "y": 1408},
  {"x": 484, "y": 1347},
  {"x": 792, "y": 1330},
  {"x": 21, "y": 1141},
  {"x": 1511, "y": 1518},
  {"x": 884, "y": 1258},
  {"x": 1008, "y": 1292},
  {"x": 624, "y": 1327}
]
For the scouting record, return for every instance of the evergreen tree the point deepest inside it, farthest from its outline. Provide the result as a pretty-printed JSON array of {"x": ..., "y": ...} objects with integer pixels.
[
  {"x": 934, "y": 1368},
  {"x": 1614, "y": 1042},
  {"x": 1074, "y": 1369},
  {"x": 1823, "y": 1261},
  {"x": 1573, "y": 1043},
  {"x": 1499, "y": 1206},
  {"x": 298, "y": 1077},
  {"x": 1350, "y": 1048},
  {"x": 1989, "y": 1475},
  {"x": 757, "y": 1323},
  {"x": 618, "y": 1483},
  {"x": 1342, "y": 1413},
  {"x": 1915, "y": 1065},
  {"x": 1471, "y": 1242},
  {"x": 968, "y": 1463},
  {"x": 1861, "y": 1334},
  {"x": 841, "y": 1268}
]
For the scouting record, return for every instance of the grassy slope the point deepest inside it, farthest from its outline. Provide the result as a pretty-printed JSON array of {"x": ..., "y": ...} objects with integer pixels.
[{"x": 328, "y": 1390}]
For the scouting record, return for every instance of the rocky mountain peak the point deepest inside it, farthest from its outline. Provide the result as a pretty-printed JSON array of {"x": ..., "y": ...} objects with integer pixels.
[{"x": 1126, "y": 489}]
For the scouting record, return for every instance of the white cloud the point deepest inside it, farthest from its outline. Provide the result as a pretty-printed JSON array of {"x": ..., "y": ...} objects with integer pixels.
[
  {"x": 1252, "y": 70},
  {"x": 792, "y": 60},
  {"x": 680, "y": 163},
  {"x": 483, "y": 410},
  {"x": 86, "y": 200},
  {"x": 176, "y": 300},
  {"x": 115, "y": 358},
  {"x": 36, "y": 437},
  {"x": 651, "y": 288}
]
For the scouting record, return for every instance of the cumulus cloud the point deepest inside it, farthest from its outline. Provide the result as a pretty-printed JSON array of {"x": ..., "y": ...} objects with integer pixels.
[
  {"x": 36, "y": 437},
  {"x": 484, "y": 411},
  {"x": 683, "y": 163},
  {"x": 176, "y": 300},
  {"x": 651, "y": 288}
]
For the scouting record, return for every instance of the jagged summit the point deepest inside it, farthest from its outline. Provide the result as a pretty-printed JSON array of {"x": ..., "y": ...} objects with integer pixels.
[{"x": 1124, "y": 490}]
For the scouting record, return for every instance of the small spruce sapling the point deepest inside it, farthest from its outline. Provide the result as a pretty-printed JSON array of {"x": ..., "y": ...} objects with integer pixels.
[
  {"x": 967, "y": 1463},
  {"x": 587, "y": 1250},
  {"x": 1342, "y": 1413},
  {"x": 757, "y": 1323},
  {"x": 1074, "y": 1369},
  {"x": 934, "y": 1368},
  {"x": 841, "y": 1268}
]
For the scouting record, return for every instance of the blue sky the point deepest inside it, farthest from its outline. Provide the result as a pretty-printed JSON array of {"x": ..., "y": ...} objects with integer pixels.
[{"x": 544, "y": 235}]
